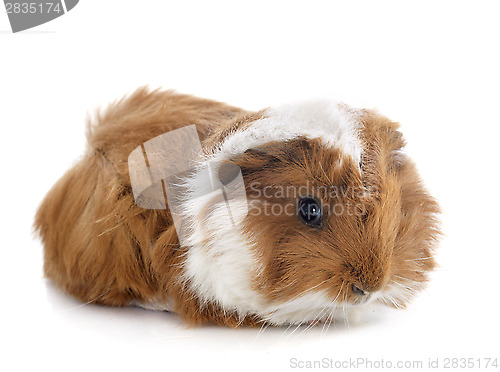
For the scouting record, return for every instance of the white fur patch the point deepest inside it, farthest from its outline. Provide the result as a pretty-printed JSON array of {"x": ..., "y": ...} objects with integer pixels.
[
  {"x": 400, "y": 291},
  {"x": 219, "y": 264},
  {"x": 328, "y": 121},
  {"x": 220, "y": 261}
]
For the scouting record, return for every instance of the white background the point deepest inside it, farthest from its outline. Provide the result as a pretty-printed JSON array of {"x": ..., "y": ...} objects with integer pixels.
[{"x": 433, "y": 66}]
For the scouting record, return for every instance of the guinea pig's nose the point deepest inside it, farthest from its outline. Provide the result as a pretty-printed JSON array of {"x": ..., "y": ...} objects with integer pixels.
[{"x": 357, "y": 291}]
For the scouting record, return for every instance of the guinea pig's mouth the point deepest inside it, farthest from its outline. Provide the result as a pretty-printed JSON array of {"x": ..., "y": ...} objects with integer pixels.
[
  {"x": 347, "y": 312},
  {"x": 362, "y": 296},
  {"x": 363, "y": 300}
]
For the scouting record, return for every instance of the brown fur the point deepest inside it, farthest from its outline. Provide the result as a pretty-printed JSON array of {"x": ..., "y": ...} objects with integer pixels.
[
  {"x": 393, "y": 238},
  {"x": 100, "y": 247}
]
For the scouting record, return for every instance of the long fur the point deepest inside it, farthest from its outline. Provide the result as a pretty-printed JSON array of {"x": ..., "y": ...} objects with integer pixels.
[{"x": 101, "y": 247}]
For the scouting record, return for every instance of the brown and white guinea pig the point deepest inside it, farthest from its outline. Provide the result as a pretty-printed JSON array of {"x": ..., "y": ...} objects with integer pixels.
[{"x": 335, "y": 215}]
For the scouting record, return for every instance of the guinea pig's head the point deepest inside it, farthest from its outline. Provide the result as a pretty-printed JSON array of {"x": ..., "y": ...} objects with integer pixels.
[{"x": 333, "y": 216}]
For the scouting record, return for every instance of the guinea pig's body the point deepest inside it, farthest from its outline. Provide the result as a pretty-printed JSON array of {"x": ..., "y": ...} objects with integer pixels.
[{"x": 335, "y": 215}]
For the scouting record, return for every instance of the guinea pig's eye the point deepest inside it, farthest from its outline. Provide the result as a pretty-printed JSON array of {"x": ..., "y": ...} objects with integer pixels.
[{"x": 309, "y": 211}]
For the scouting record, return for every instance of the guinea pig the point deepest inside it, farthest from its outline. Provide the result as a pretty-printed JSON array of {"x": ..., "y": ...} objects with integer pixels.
[{"x": 333, "y": 215}]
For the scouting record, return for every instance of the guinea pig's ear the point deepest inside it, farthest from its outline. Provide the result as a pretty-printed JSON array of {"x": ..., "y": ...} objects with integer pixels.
[
  {"x": 393, "y": 142},
  {"x": 254, "y": 152},
  {"x": 273, "y": 155},
  {"x": 396, "y": 144},
  {"x": 262, "y": 153},
  {"x": 275, "y": 152},
  {"x": 395, "y": 138},
  {"x": 383, "y": 137},
  {"x": 258, "y": 157}
]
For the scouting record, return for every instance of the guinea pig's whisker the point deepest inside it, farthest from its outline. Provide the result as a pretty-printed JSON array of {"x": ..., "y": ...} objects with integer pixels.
[
  {"x": 405, "y": 279},
  {"x": 411, "y": 285},
  {"x": 403, "y": 285},
  {"x": 404, "y": 295},
  {"x": 410, "y": 291},
  {"x": 393, "y": 301},
  {"x": 416, "y": 270},
  {"x": 304, "y": 320},
  {"x": 314, "y": 321},
  {"x": 378, "y": 260},
  {"x": 340, "y": 290},
  {"x": 307, "y": 316},
  {"x": 346, "y": 321},
  {"x": 298, "y": 326},
  {"x": 419, "y": 259},
  {"x": 402, "y": 289},
  {"x": 301, "y": 293},
  {"x": 240, "y": 321},
  {"x": 316, "y": 286},
  {"x": 263, "y": 327},
  {"x": 329, "y": 318},
  {"x": 287, "y": 328}
]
